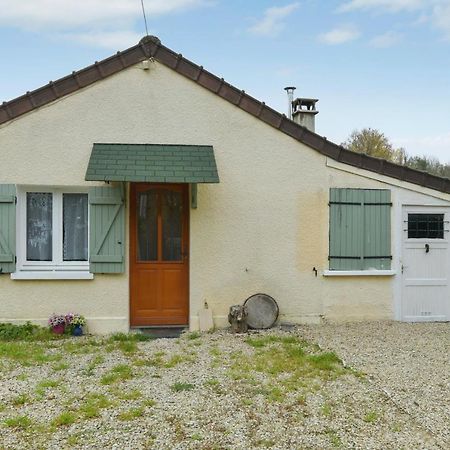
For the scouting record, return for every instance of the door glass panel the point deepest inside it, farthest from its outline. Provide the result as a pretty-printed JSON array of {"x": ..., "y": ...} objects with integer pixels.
[
  {"x": 39, "y": 226},
  {"x": 75, "y": 227},
  {"x": 147, "y": 226},
  {"x": 425, "y": 226},
  {"x": 171, "y": 212}
]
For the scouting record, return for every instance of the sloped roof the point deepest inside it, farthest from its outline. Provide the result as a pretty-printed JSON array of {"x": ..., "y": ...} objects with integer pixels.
[
  {"x": 151, "y": 47},
  {"x": 157, "y": 163}
]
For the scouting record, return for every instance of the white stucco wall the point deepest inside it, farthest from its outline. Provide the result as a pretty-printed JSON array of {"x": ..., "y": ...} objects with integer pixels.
[{"x": 262, "y": 229}]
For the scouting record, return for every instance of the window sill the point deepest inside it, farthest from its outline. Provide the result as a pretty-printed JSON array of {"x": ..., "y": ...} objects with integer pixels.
[
  {"x": 359, "y": 273},
  {"x": 52, "y": 275}
]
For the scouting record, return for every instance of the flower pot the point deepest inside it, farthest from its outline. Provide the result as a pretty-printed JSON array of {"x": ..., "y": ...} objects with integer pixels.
[
  {"x": 58, "y": 329},
  {"x": 77, "y": 330}
]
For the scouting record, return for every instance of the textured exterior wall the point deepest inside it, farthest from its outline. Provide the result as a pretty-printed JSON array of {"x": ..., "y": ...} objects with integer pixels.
[{"x": 262, "y": 229}]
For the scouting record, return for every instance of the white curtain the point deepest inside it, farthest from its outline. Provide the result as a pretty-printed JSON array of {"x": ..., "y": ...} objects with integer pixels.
[
  {"x": 39, "y": 226},
  {"x": 75, "y": 227}
]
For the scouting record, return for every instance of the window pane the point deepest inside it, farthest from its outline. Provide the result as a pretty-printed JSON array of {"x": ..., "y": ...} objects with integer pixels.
[
  {"x": 39, "y": 226},
  {"x": 171, "y": 213},
  {"x": 75, "y": 227},
  {"x": 147, "y": 223},
  {"x": 426, "y": 226}
]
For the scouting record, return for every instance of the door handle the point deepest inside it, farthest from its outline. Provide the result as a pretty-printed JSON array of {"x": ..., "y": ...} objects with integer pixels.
[{"x": 427, "y": 248}]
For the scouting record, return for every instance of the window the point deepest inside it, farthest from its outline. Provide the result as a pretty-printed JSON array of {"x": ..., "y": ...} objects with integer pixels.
[
  {"x": 360, "y": 229},
  {"x": 425, "y": 226},
  {"x": 53, "y": 227}
]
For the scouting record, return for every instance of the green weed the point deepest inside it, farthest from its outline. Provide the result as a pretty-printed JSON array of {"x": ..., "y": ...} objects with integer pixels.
[
  {"x": 64, "y": 419},
  {"x": 371, "y": 417},
  {"x": 179, "y": 387},
  {"x": 20, "y": 422},
  {"x": 20, "y": 400},
  {"x": 118, "y": 373},
  {"x": 131, "y": 414}
]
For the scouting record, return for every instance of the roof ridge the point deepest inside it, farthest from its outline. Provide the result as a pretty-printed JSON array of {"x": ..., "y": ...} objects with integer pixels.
[{"x": 150, "y": 46}]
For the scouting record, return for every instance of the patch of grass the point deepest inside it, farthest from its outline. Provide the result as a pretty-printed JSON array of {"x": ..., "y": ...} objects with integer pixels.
[
  {"x": 197, "y": 437},
  {"x": 214, "y": 351},
  {"x": 92, "y": 405},
  {"x": 325, "y": 361},
  {"x": 131, "y": 414},
  {"x": 45, "y": 384},
  {"x": 263, "y": 341},
  {"x": 118, "y": 373},
  {"x": 26, "y": 353},
  {"x": 90, "y": 368},
  {"x": 64, "y": 419},
  {"x": 194, "y": 335},
  {"x": 134, "y": 394},
  {"x": 335, "y": 440},
  {"x": 74, "y": 440},
  {"x": 247, "y": 401},
  {"x": 127, "y": 347},
  {"x": 326, "y": 409},
  {"x": 19, "y": 422},
  {"x": 60, "y": 366},
  {"x": 371, "y": 417},
  {"x": 130, "y": 337},
  {"x": 179, "y": 387},
  {"x": 149, "y": 403},
  {"x": 21, "y": 400},
  {"x": 158, "y": 360},
  {"x": 25, "y": 332},
  {"x": 275, "y": 394}
]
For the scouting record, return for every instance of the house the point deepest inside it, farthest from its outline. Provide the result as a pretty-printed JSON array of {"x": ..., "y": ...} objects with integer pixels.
[{"x": 136, "y": 189}]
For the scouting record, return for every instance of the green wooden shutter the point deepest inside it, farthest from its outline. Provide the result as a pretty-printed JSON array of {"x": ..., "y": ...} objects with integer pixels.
[
  {"x": 7, "y": 228},
  {"x": 360, "y": 229},
  {"x": 377, "y": 229},
  {"x": 346, "y": 232},
  {"x": 107, "y": 230}
]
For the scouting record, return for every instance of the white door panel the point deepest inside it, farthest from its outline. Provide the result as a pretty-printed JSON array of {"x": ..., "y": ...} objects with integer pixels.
[{"x": 426, "y": 265}]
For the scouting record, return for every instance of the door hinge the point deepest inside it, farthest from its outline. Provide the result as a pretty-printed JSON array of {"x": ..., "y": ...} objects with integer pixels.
[
  {"x": 15, "y": 259},
  {"x": 15, "y": 199}
]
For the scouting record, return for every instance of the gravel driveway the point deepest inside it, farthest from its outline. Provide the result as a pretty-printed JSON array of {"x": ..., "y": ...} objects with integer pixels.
[
  {"x": 276, "y": 389},
  {"x": 410, "y": 363}
]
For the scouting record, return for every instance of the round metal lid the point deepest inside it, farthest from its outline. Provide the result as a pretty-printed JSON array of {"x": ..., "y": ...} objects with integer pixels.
[{"x": 262, "y": 311}]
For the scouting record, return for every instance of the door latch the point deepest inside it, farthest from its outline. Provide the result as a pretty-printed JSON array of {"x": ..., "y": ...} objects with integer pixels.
[{"x": 427, "y": 248}]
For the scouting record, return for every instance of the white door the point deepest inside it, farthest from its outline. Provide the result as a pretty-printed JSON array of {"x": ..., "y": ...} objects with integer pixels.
[{"x": 425, "y": 264}]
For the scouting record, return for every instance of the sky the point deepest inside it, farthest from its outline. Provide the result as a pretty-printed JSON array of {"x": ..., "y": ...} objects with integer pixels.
[{"x": 383, "y": 64}]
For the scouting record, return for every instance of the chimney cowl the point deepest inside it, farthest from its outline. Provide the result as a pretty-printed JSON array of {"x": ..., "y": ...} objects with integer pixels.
[{"x": 304, "y": 112}]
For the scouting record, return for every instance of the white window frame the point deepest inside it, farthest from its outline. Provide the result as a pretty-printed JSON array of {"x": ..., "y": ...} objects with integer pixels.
[{"x": 57, "y": 268}]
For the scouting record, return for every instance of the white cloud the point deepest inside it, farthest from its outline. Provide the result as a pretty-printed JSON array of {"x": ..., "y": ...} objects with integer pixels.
[
  {"x": 385, "y": 40},
  {"x": 441, "y": 18},
  {"x": 340, "y": 35},
  {"x": 272, "y": 21},
  {"x": 106, "y": 39},
  {"x": 385, "y": 5},
  {"x": 435, "y": 13},
  {"x": 83, "y": 20}
]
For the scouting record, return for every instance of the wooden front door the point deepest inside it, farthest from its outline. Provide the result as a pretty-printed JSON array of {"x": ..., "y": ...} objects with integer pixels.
[{"x": 159, "y": 254}]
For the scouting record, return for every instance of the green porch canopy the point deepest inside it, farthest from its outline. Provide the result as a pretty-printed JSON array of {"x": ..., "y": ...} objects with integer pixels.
[{"x": 155, "y": 163}]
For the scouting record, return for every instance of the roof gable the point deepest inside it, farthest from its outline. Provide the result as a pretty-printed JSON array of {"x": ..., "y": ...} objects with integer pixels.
[{"x": 151, "y": 47}]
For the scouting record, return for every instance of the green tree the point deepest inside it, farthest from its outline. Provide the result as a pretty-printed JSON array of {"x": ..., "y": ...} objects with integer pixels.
[{"x": 374, "y": 143}]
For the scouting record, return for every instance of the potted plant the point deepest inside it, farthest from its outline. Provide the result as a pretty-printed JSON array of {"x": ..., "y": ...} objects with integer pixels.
[
  {"x": 57, "y": 323},
  {"x": 76, "y": 323}
]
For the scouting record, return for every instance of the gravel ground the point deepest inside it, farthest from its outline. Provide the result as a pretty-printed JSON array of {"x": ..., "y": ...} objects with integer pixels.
[
  {"x": 409, "y": 363},
  {"x": 221, "y": 391}
]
